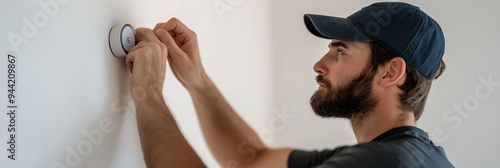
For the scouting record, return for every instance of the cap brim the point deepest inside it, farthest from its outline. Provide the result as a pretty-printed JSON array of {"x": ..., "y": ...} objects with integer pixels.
[{"x": 334, "y": 28}]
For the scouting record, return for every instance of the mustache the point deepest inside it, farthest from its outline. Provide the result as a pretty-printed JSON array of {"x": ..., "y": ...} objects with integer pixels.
[{"x": 323, "y": 80}]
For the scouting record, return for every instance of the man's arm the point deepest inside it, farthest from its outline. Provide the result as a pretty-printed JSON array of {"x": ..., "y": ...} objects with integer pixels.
[
  {"x": 230, "y": 139},
  {"x": 162, "y": 142}
]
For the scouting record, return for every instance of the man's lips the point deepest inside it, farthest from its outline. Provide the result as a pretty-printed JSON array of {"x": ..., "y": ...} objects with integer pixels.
[
  {"x": 321, "y": 81},
  {"x": 321, "y": 84}
]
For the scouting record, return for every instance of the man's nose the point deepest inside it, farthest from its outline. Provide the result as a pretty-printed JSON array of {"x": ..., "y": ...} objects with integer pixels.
[{"x": 319, "y": 67}]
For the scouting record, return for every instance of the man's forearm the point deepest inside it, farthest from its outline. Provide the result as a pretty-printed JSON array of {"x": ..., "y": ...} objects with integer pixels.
[
  {"x": 229, "y": 138},
  {"x": 162, "y": 142}
]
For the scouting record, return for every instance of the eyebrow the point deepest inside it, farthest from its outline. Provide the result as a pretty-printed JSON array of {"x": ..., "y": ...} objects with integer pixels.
[{"x": 337, "y": 43}]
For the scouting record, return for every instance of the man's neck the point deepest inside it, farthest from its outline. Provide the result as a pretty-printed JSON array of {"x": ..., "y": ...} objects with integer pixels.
[{"x": 379, "y": 121}]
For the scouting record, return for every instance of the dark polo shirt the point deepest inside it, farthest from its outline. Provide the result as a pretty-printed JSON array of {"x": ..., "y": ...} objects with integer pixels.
[{"x": 401, "y": 147}]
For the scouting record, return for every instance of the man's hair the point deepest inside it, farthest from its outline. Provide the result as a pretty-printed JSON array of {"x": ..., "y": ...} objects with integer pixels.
[{"x": 416, "y": 87}]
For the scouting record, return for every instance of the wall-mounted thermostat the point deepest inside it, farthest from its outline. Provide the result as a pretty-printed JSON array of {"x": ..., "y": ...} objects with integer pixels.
[{"x": 121, "y": 39}]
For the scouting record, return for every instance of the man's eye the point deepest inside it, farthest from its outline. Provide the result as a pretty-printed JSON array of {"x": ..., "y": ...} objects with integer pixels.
[{"x": 340, "y": 52}]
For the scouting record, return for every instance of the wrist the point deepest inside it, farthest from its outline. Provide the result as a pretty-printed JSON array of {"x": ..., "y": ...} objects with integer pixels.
[
  {"x": 148, "y": 102},
  {"x": 205, "y": 83},
  {"x": 141, "y": 95}
]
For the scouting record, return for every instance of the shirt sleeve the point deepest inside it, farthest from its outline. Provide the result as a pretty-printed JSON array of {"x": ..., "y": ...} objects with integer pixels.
[{"x": 301, "y": 158}]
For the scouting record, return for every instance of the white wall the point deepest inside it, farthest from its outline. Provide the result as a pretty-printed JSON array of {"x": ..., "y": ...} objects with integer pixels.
[
  {"x": 69, "y": 82},
  {"x": 258, "y": 53}
]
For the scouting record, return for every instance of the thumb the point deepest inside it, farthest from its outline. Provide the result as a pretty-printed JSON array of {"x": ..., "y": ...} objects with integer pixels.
[{"x": 169, "y": 42}]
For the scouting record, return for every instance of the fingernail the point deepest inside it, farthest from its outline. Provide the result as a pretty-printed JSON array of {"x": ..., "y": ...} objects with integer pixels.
[{"x": 159, "y": 33}]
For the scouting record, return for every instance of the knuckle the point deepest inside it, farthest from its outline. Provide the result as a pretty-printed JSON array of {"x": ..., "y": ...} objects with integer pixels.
[
  {"x": 131, "y": 54},
  {"x": 174, "y": 19},
  {"x": 140, "y": 30},
  {"x": 163, "y": 47},
  {"x": 193, "y": 34},
  {"x": 147, "y": 50},
  {"x": 159, "y": 25},
  {"x": 157, "y": 48}
]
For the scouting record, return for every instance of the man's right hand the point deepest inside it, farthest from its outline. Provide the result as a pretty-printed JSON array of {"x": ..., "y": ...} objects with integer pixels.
[
  {"x": 229, "y": 138},
  {"x": 183, "y": 53}
]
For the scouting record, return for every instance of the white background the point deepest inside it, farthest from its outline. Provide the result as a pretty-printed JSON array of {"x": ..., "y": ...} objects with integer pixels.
[{"x": 258, "y": 53}]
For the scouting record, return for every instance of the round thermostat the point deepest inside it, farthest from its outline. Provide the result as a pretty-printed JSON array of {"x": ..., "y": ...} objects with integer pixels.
[{"x": 121, "y": 39}]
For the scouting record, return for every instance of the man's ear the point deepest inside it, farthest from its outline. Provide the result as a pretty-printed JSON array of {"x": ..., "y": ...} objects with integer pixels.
[{"x": 392, "y": 72}]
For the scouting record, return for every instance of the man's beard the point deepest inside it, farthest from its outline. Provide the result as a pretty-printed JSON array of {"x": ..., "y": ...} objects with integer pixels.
[{"x": 352, "y": 101}]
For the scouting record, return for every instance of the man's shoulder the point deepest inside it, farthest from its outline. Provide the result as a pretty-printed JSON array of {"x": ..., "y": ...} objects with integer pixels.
[
  {"x": 404, "y": 153},
  {"x": 369, "y": 152},
  {"x": 359, "y": 155},
  {"x": 398, "y": 147},
  {"x": 405, "y": 147}
]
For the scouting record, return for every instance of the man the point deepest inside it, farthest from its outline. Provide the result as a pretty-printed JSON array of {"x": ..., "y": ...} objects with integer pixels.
[{"x": 377, "y": 73}]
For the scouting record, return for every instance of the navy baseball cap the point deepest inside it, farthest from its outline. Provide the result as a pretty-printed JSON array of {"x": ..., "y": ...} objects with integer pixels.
[{"x": 403, "y": 29}]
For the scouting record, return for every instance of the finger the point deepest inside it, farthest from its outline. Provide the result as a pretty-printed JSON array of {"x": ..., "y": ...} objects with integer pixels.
[
  {"x": 178, "y": 30},
  {"x": 132, "y": 55},
  {"x": 175, "y": 25},
  {"x": 158, "y": 26},
  {"x": 129, "y": 60},
  {"x": 130, "y": 66},
  {"x": 173, "y": 48},
  {"x": 138, "y": 35},
  {"x": 133, "y": 58},
  {"x": 139, "y": 46},
  {"x": 145, "y": 34}
]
